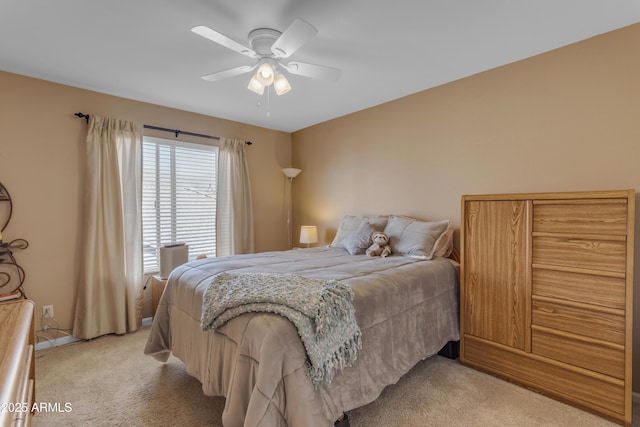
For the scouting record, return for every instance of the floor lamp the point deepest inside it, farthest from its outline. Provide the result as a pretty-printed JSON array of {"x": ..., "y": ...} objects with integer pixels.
[{"x": 290, "y": 173}]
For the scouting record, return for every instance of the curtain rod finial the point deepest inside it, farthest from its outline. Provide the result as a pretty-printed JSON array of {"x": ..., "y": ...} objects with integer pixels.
[{"x": 82, "y": 116}]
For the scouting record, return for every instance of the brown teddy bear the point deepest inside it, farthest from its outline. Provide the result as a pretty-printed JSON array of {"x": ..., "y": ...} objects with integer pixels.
[{"x": 380, "y": 245}]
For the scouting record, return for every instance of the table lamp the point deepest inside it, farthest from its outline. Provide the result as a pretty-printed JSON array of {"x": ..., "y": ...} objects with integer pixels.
[{"x": 308, "y": 234}]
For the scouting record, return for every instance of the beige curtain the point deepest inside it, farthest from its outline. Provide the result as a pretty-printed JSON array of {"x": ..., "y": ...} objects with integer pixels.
[
  {"x": 234, "y": 228},
  {"x": 110, "y": 278}
]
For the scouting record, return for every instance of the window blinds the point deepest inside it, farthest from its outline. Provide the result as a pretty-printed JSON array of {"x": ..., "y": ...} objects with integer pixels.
[{"x": 178, "y": 198}]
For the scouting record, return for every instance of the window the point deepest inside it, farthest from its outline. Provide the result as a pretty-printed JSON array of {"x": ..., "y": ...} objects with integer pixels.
[{"x": 178, "y": 198}]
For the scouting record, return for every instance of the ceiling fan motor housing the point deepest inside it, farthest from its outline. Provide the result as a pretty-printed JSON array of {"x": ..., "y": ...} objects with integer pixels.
[
  {"x": 261, "y": 41},
  {"x": 270, "y": 47}
]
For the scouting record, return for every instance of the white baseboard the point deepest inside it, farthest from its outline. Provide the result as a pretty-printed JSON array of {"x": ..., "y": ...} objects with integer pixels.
[
  {"x": 56, "y": 342},
  {"x": 69, "y": 339}
]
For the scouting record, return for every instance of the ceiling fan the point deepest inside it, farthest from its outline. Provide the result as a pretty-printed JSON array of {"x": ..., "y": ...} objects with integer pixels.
[{"x": 269, "y": 47}]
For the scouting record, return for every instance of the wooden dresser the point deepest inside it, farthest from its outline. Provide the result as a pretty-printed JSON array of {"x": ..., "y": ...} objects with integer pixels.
[
  {"x": 17, "y": 363},
  {"x": 547, "y": 294}
]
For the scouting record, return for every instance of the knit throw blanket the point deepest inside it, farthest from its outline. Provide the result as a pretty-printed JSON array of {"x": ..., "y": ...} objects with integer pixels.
[{"x": 322, "y": 311}]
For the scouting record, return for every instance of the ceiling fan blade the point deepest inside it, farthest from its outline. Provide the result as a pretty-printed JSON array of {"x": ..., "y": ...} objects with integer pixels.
[
  {"x": 225, "y": 74},
  {"x": 314, "y": 71},
  {"x": 223, "y": 40},
  {"x": 298, "y": 33}
]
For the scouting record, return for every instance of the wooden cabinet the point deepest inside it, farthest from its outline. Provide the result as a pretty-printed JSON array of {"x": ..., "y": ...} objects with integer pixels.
[
  {"x": 495, "y": 299},
  {"x": 17, "y": 363},
  {"x": 547, "y": 294}
]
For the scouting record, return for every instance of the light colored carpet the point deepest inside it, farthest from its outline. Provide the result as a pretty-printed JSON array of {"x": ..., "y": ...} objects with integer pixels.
[{"x": 110, "y": 382}]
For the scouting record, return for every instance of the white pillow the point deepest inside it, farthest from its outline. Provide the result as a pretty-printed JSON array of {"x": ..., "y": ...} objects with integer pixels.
[
  {"x": 409, "y": 236},
  {"x": 444, "y": 245}
]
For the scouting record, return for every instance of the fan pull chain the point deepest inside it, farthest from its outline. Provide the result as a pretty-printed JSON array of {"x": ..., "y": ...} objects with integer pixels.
[
  {"x": 258, "y": 105},
  {"x": 268, "y": 101}
]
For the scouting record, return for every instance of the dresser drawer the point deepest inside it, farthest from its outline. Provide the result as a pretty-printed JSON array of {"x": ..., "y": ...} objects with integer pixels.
[
  {"x": 600, "y": 290},
  {"x": 604, "y": 358},
  {"x": 592, "y": 216},
  {"x": 602, "y": 325},
  {"x": 587, "y": 389},
  {"x": 580, "y": 251}
]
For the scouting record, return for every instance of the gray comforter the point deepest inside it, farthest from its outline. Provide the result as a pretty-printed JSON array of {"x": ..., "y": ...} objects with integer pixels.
[{"x": 407, "y": 309}]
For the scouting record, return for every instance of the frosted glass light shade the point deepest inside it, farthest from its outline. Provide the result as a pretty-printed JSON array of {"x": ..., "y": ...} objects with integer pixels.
[
  {"x": 308, "y": 234},
  {"x": 291, "y": 172},
  {"x": 265, "y": 74},
  {"x": 255, "y": 86},
  {"x": 281, "y": 84}
]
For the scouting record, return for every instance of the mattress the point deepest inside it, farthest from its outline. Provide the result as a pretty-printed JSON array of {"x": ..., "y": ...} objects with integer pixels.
[{"x": 406, "y": 308}]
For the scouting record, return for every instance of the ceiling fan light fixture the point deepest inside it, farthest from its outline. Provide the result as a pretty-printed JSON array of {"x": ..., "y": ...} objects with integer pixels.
[
  {"x": 255, "y": 86},
  {"x": 265, "y": 74},
  {"x": 268, "y": 48},
  {"x": 281, "y": 84}
]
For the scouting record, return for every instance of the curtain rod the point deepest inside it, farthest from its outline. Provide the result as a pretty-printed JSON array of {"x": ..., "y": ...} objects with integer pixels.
[{"x": 175, "y": 131}]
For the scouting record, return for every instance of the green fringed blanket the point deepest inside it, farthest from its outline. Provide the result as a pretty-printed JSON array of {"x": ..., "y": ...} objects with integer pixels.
[{"x": 321, "y": 309}]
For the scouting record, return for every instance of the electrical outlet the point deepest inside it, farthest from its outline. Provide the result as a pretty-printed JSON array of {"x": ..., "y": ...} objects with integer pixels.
[{"x": 47, "y": 311}]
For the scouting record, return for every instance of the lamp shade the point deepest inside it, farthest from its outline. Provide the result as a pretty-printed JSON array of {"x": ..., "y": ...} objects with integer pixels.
[
  {"x": 255, "y": 86},
  {"x": 265, "y": 74},
  {"x": 308, "y": 234},
  {"x": 291, "y": 172},
  {"x": 281, "y": 84}
]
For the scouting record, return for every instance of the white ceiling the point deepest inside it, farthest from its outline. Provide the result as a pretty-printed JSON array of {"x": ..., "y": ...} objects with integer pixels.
[{"x": 144, "y": 49}]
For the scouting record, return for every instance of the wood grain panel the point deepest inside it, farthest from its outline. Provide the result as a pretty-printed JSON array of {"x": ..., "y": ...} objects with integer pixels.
[
  {"x": 601, "y": 290},
  {"x": 17, "y": 370},
  {"x": 585, "y": 252},
  {"x": 578, "y": 287},
  {"x": 496, "y": 256},
  {"x": 14, "y": 341},
  {"x": 588, "y": 354},
  {"x": 585, "y": 389},
  {"x": 594, "y": 216},
  {"x": 582, "y": 320}
]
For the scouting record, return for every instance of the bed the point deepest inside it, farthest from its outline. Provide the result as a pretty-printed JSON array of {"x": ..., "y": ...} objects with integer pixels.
[{"x": 406, "y": 306}]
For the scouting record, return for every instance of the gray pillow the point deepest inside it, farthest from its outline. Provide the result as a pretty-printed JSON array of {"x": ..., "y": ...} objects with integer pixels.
[
  {"x": 409, "y": 236},
  {"x": 359, "y": 241},
  {"x": 350, "y": 223}
]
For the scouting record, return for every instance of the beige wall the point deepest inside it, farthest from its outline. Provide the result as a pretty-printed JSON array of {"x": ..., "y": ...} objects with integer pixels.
[
  {"x": 562, "y": 121},
  {"x": 41, "y": 164}
]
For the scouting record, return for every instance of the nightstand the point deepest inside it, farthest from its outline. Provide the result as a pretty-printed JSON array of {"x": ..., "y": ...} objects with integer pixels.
[{"x": 157, "y": 288}]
